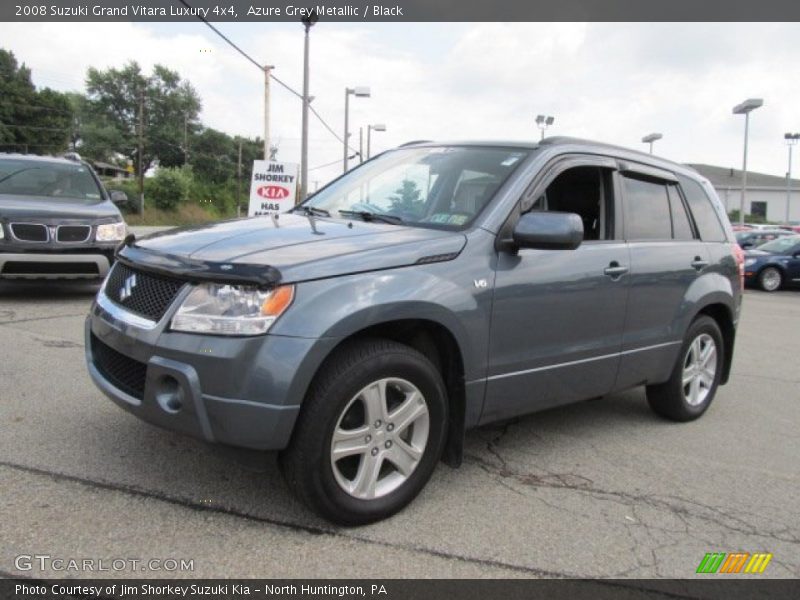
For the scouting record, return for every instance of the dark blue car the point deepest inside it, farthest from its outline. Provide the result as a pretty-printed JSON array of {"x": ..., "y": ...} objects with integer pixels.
[{"x": 774, "y": 265}]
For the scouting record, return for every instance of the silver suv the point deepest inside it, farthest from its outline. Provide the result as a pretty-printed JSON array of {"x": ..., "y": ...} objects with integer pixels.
[{"x": 433, "y": 289}]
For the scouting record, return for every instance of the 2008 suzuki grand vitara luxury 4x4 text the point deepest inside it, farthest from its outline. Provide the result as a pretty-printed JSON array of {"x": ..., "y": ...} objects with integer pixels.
[{"x": 432, "y": 289}]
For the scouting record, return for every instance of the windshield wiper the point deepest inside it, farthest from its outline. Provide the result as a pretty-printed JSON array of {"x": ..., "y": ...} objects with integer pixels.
[
  {"x": 371, "y": 216},
  {"x": 313, "y": 210}
]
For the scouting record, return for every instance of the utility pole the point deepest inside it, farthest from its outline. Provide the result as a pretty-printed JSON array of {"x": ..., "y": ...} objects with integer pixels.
[
  {"x": 360, "y": 145},
  {"x": 267, "y": 71},
  {"x": 308, "y": 23},
  {"x": 185, "y": 139},
  {"x": 239, "y": 182},
  {"x": 141, "y": 150}
]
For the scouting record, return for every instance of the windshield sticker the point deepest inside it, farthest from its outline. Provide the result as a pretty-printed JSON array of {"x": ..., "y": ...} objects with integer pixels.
[
  {"x": 439, "y": 218},
  {"x": 93, "y": 196},
  {"x": 458, "y": 219},
  {"x": 512, "y": 159}
]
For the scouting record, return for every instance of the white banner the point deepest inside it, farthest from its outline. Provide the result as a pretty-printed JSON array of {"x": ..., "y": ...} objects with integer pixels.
[{"x": 273, "y": 187}]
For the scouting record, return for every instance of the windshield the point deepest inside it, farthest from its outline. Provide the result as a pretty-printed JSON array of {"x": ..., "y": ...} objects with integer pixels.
[
  {"x": 781, "y": 245},
  {"x": 54, "y": 180},
  {"x": 444, "y": 187}
]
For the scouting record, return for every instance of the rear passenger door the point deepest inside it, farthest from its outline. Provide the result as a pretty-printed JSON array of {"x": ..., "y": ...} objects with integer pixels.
[{"x": 666, "y": 258}]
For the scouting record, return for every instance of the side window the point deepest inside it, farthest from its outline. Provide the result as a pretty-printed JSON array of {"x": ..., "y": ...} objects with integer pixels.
[
  {"x": 647, "y": 212},
  {"x": 681, "y": 228},
  {"x": 586, "y": 191},
  {"x": 705, "y": 217}
]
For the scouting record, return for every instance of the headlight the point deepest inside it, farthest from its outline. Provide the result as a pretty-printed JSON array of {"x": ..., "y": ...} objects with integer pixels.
[
  {"x": 231, "y": 309},
  {"x": 2, "y": 233},
  {"x": 750, "y": 261},
  {"x": 111, "y": 232}
]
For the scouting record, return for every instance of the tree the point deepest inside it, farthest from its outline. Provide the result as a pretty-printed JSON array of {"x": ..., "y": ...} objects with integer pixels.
[
  {"x": 30, "y": 120},
  {"x": 213, "y": 156},
  {"x": 110, "y": 114},
  {"x": 407, "y": 198}
]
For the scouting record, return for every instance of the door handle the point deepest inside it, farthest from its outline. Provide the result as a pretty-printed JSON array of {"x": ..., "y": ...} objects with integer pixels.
[
  {"x": 615, "y": 270},
  {"x": 699, "y": 264}
]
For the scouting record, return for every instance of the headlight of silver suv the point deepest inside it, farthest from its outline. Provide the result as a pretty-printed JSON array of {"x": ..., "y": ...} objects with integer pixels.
[
  {"x": 219, "y": 309},
  {"x": 111, "y": 232}
]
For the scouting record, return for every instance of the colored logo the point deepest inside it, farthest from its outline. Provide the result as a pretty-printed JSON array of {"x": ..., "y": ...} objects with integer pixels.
[
  {"x": 273, "y": 192},
  {"x": 734, "y": 562}
]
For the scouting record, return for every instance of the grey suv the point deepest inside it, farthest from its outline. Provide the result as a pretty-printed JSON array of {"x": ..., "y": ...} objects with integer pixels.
[
  {"x": 56, "y": 219},
  {"x": 435, "y": 288}
]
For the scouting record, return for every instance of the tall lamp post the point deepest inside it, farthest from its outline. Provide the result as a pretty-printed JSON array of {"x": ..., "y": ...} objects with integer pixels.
[
  {"x": 358, "y": 92},
  {"x": 308, "y": 22},
  {"x": 543, "y": 122},
  {"x": 745, "y": 108},
  {"x": 650, "y": 138},
  {"x": 371, "y": 128},
  {"x": 791, "y": 140}
]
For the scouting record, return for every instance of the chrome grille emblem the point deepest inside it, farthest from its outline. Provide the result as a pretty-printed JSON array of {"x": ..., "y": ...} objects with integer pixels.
[{"x": 127, "y": 288}]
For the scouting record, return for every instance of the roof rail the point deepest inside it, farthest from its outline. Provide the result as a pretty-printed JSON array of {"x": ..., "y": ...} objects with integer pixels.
[{"x": 414, "y": 142}]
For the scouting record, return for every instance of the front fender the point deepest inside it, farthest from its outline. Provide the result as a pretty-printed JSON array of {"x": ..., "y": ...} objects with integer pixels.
[{"x": 338, "y": 308}]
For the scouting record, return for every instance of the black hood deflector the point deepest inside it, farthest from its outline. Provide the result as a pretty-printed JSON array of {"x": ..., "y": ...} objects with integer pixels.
[{"x": 181, "y": 267}]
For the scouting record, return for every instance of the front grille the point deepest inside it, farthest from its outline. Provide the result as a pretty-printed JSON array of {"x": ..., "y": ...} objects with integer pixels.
[
  {"x": 142, "y": 293},
  {"x": 29, "y": 232},
  {"x": 50, "y": 268},
  {"x": 73, "y": 233},
  {"x": 121, "y": 371}
]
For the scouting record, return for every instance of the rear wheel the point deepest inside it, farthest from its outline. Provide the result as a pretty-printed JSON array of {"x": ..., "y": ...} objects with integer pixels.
[
  {"x": 770, "y": 279},
  {"x": 370, "y": 432},
  {"x": 694, "y": 380}
]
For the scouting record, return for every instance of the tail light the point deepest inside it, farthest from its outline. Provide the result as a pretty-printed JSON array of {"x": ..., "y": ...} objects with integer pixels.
[{"x": 738, "y": 254}]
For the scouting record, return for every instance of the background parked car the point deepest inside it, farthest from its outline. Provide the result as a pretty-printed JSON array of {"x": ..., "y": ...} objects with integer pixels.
[
  {"x": 56, "y": 219},
  {"x": 774, "y": 264},
  {"x": 756, "y": 237}
]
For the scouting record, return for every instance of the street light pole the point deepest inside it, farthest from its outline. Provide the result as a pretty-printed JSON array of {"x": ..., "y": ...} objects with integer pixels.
[
  {"x": 650, "y": 138},
  {"x": 791, "y": 140},
  {"x": 358, "y": 92},
  {"x": 745, "y": 108},
  {"x": 543, "y": 122},
  {"x": 370, "y": 128},
  {"x": 308, "y": 22}
]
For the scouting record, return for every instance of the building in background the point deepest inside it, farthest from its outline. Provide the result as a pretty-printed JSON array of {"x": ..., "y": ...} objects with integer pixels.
[{"x": 766, "y": 194}]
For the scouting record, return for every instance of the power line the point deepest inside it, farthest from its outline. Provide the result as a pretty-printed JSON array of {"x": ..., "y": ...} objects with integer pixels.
[
  {"x": 36, "y": 127},
  {"x": 261, "y": 68}
]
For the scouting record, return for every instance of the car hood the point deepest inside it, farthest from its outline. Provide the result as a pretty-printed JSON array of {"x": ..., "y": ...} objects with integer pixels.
[
  {"x": 756, "y": 254},
  {"x": 303, "y": 248},
  {"x": 43, "y": 207}
]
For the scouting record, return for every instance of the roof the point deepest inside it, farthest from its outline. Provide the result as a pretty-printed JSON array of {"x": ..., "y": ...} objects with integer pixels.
[
  {"x": 37, "y": 158},
  {"x": 578, "y": 143},
  {"x": 721, "y": 177}
]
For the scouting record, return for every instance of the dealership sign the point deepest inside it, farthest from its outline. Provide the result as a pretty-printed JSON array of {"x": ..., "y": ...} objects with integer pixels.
[{"x": 273, "y": 187}]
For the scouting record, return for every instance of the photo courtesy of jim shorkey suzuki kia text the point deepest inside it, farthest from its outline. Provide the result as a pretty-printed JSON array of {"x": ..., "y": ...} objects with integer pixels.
[{"x": 192, "y": 590}]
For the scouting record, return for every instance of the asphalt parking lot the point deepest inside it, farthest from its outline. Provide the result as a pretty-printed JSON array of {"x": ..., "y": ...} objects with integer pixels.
[{"x": 599, "y": 489}]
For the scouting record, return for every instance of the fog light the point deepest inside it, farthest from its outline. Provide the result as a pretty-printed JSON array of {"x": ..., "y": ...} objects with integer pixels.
[{"x": 169, "y": 395}]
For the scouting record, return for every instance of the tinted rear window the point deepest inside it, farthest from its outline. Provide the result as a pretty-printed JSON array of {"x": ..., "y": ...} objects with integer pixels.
[
  {"x": 647, "y": 215},
  {"x": 705, "y": 217},
  {"x": 681, "y": 228}
]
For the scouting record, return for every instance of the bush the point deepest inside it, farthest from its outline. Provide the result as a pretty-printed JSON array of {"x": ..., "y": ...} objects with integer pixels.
[{"x": 168, "y": 188}]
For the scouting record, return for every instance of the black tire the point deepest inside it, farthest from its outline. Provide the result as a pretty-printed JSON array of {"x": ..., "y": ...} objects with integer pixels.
[
  {"x": 767, "y": 278},
  {"x": 307, "y": 463},
  {"x": 671, "y": 399}
]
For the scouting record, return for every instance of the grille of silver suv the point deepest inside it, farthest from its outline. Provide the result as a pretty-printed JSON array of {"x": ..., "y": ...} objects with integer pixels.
[{"x": 142, "y": 293}]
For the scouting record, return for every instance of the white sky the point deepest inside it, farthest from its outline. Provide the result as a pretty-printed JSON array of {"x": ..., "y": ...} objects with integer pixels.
[{"x": 449, "y": 81}]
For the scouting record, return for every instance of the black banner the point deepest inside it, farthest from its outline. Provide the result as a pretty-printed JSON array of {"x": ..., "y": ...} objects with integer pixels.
[
  {"x": 434, "y": 589},
  {"x": 400, "y": 10}
]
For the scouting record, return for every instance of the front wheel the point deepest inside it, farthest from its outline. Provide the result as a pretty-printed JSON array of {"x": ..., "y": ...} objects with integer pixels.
[
  {"x": 770, "y": 279},
  {"x": 694, "y": 380},
  {"x": 370, "y": 432}
]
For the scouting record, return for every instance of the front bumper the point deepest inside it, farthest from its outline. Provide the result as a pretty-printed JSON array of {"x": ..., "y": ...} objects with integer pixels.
[
  {"x": 243, "y": 392},
  {"x": 92, "y": 264}
]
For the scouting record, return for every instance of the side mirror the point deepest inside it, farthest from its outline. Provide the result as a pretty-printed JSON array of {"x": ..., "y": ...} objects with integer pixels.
[
  {"x": 119, "y": 197},
  {"x": 548, "y": 231}
]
